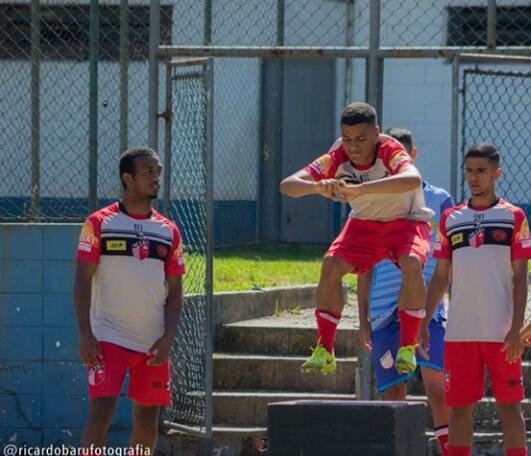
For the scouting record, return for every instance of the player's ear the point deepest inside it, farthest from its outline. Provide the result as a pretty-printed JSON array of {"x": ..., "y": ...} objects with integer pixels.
[
  {"x": 498, "y": 172},
  {"x": 414, "y": 152}
]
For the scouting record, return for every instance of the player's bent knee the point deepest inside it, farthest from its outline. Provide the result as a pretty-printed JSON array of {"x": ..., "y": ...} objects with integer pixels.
[
  {"x": 333, "y": 268},
  {"x": 410, "y": 265}
]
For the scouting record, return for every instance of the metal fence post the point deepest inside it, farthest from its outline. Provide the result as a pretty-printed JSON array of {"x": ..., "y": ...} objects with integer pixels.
[
  {"x": 207, "y": 37},
  {"x": 279, "y": 114},
  {"x": 209, "y": 225},
  {"x": 349, "y": 41},
  {"x": 491, "y": 24},
  {"x": 35, "y": 108},
  {"x": 124, "y": 76},
  {"x": 166, "y": 182},
  {"x": 374, "y": 84},
  {"x": 455, "y": 127},
  {"x": 93, "y": 107},
  {"x": 374, "y": 74},
  {"x": 154, "y": 41}
]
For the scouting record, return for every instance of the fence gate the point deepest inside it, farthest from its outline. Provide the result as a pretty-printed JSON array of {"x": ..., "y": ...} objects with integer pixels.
[
  {"x": 188, "y": 200},
  {"x": 494, "y": 105}
]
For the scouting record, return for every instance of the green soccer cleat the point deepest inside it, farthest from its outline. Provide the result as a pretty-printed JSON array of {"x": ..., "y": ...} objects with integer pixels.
[
  {"x": 406, "y": 361},
  {"x": 321, "y": 361}
]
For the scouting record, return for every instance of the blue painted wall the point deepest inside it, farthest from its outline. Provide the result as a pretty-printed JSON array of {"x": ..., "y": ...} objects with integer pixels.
[{"x": 43, "y": 398}]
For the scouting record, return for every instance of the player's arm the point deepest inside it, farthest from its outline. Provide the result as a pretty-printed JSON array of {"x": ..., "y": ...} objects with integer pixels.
[
  {"x": 303, "y": 183},
  {"x": 88, "y": 345},
  {"x": 513, "y": 345},
  {"x": 172, "y": 311},
  {"x": 363, "y": 293},
  {"x": 436, "y": 288},
  {"x": 525, "y": 335},
  {"x": 407, "y": 179}
]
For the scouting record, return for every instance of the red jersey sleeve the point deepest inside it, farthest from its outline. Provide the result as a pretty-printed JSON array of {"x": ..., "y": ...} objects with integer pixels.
[
  {"x": 394, "y": 157},
  {"x": 174, "y": 264},
  {"x": 521, "y": 242},
  {"x": 441, "y": 247},
  {"x": 89, "y": 247},
  {"x": 326, "y": 165}
]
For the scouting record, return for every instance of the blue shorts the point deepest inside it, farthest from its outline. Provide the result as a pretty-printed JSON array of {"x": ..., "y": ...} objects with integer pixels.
[{"x": 385, "y": 342}]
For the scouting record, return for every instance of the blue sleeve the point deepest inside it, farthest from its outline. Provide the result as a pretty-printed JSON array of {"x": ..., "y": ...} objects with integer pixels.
[{"x": 447, "y": 203}]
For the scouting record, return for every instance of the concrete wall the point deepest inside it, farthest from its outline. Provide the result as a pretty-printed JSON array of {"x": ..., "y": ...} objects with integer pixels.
[{"x": 43, "y": 397}]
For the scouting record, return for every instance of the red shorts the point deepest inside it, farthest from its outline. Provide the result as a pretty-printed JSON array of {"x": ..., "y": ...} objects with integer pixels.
[
  {"x": 148, "y": 385},
  {"x": 364, "y": 243},
  {"x": 464, "y": 373}
]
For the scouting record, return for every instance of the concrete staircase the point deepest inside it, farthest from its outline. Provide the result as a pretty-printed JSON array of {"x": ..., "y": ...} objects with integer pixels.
[{"x": 257, "y": 362}]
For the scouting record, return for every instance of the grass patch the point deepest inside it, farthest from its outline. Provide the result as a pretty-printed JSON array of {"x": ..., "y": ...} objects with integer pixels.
[{"x": 254, "y": 267}]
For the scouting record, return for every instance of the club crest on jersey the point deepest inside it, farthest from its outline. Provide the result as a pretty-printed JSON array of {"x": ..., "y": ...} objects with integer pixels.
[
  {"x": 96, "y": 374},
  {"x": 477, "y": 238},
  {"x": 141, "y": 249}
]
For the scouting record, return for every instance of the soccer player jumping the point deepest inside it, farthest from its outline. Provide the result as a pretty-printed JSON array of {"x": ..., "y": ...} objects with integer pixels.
[
  {"x": 483, "y": 246},
  {"x": 388, "y": 220}
]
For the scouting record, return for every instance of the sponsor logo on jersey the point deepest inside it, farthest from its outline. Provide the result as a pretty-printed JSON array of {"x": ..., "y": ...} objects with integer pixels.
[
  {"x": 87, "y": 239},
  {"x": 523, "y": 234},
  {"x": 178, "y": 254},
  {"x": 162, "y": 251},
  {"x": 477, "y": 238},
  {"x": 116, "y": 246},
  {"x": 398, "y": 159},
  {"x": 322, "y": 164},
  {"x": 499, "y": 235},
  {"x": 457, "y": 238}
]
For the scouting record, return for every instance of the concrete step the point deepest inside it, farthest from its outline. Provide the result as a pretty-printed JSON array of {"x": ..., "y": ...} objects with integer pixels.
[
  {"x": 485, "y": 444},
  {"x": 486, "y": 417},
  {"x": 250, "y": 407},
  {"x": 226, "y": 441},
  {"x": 283, "y": 340},
  {"x": 264, "y": 372}
]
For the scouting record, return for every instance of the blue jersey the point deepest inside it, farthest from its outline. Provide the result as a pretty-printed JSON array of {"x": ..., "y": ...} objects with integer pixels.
[{"x": 386, "y": 277}]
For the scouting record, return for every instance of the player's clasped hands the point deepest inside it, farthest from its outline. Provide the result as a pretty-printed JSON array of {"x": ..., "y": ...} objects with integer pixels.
[{"x": 337, "y": 190}]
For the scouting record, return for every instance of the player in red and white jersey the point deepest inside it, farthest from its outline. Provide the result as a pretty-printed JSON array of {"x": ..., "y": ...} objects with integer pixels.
[
  {"x": 388, "y": 220},
  {"x": 128, "y": 298},
  {"x": 483, "y": 246}
]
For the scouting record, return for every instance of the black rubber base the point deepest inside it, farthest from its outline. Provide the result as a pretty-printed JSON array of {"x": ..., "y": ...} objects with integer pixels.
[{"x": 344, "y": 428}]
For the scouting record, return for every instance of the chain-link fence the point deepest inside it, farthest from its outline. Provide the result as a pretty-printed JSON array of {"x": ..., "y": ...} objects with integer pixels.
[
  {"x": 495, "y": 109},
  {"x": 45, "y": 75},
  {"x": 186, "y": 198}
]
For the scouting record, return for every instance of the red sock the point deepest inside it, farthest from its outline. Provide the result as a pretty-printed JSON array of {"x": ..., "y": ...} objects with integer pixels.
[
  {"x": 516, "y": 452},
  {"x": 409, "y": 325},
  {"x": 327, "y": 322},
  {"x": 442, "y": 437},
  {"x": 458, "y": 451}
]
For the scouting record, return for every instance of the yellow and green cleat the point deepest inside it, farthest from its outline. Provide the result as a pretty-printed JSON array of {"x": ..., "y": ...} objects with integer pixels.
[
  {"x": 321, "y": 361},
  {"x": 406, "y": 361}
]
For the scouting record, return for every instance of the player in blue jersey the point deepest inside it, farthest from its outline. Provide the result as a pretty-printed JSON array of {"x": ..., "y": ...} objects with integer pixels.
[{"x": 379, "y": 326}]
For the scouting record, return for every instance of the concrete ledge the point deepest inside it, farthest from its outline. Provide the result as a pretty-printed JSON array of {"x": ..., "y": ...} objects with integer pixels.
[{"x": 231, "y": 306}]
